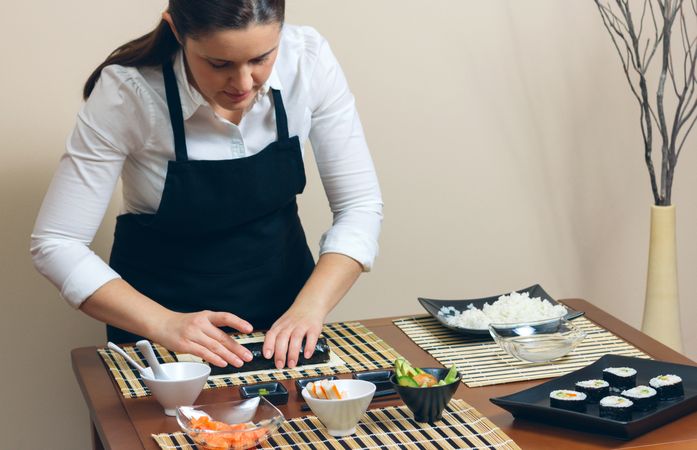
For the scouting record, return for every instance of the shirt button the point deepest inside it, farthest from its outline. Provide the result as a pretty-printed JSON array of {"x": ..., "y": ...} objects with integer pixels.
[{"x": 237, "y": 147}]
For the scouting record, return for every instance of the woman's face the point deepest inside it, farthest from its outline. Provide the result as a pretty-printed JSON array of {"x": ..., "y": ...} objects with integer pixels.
[{"x": 229, "y": 67}]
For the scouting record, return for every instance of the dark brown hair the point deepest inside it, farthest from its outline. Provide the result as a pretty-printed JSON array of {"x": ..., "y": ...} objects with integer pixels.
[{"x": 192, "y": 18}]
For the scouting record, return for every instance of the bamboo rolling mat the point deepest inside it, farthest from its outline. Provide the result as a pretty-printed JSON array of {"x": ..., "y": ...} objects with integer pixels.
[
  {"x": 359, "y": 348},
  {"x": 462, "y": 427},
  {"x": 483, "y": 363}
]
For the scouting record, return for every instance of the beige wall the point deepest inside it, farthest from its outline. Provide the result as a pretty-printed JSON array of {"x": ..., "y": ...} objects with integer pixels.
[{"x": 505, "y": 138}]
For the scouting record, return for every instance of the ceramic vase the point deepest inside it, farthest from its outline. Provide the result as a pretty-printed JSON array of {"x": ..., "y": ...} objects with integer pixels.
[{"x": 661, "y": 309}]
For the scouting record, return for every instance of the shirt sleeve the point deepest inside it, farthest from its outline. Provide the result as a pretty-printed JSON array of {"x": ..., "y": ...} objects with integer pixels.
[
  {"x": 344, "y": 163},
  {"x": 108, "y": 126}
]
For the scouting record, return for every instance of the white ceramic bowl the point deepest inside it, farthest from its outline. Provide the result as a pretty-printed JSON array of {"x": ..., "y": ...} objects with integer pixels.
[
  {"x": 341, "y": 416},
  {"x": 186, "y": 380}
]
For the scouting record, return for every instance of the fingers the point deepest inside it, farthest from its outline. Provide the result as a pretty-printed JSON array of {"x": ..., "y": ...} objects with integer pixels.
[
  {"x": 198, "y": 333},
  {"x": 281, "y": 347},
  {"x": 270, "y": 342},
  {"x": 203, "y": 352},
  {"x": 310, "y": 343},
  {"x": 227, "y": 347},
  {"x": 296, "y": 340},
  {"x": 284, "y": 341},
  {"x": 224, "y": 319}
]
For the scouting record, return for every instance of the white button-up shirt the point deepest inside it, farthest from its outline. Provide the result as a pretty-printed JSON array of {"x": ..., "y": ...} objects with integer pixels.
[{"x": 124, "y": 129}]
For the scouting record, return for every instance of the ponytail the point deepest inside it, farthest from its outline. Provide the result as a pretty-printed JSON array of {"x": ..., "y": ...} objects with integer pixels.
[{"x": 152, "y": 49}]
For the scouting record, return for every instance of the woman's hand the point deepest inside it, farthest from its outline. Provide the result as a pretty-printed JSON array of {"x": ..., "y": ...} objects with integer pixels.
[
  {"x": 284, "y": 340},
  {"x": 119, "y": 304},
  {"x": 199, "y": 333},
  {"x": 334, "y": 274}
]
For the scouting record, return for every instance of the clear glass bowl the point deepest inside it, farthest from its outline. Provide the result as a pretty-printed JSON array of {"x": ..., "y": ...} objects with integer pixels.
[
  {"x": 541, "y": 341},
  {"x": 245, "y": 423}
]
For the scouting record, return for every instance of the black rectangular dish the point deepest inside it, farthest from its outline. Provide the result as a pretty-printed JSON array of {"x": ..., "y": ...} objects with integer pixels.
[
  {"x": 273, "y": 391},
  {"x": 432, "y": 306},
  {"x": 534, "y": 404},
  {"x": 380, "y": 378}
]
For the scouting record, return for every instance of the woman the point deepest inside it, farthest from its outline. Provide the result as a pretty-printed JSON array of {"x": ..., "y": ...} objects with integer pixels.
[{"x": 204, "y": 119}]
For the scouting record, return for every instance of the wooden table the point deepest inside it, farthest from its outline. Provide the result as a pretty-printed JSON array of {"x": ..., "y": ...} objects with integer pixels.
[{"x": 119, "y": 423}]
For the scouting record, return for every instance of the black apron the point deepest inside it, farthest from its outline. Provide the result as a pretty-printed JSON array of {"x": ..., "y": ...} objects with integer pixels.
[{"x": 226, "y": 235}]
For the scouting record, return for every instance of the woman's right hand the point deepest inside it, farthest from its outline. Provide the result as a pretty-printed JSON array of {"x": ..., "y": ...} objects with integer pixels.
[
  {"x": 119, "y": 304},
  {"x": 199, "y": 334}
]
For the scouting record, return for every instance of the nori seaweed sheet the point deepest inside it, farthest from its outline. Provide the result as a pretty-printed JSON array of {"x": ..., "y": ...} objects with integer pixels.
[
  {"x": 621, "y": 413},
  {"x": 643, "y": 403},
  {"x": 258, "y": 362},
  {"x": 594, "y": 394},
  {"x": 671, "y": 391},
  {"x": 619, "y": 383}
]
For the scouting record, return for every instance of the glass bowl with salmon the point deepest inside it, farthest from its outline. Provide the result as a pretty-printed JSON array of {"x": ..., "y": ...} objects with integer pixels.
[{"x": 234, "y": 425}]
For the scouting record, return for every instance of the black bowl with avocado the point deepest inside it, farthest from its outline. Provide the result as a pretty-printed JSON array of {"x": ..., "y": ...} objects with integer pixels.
[{"x": 426, "y": 391}]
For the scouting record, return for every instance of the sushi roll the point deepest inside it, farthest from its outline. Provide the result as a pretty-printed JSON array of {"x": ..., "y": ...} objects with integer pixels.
[
  {"x": 321, "y": 354},
  {"x": 571, "y": 400},
  {"x": 594, "y": 389},
  {"x": 643, "y": 397},
  {"x": 620, "y": 378},
  {"x": 616, "y": 408},
  {"x": 669, "y": 387}
]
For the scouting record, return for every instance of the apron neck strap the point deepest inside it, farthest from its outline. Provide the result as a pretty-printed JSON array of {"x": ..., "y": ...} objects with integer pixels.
[
  {"x": 177, "y": 118},
  {"x": 175, "y": 111},
  {"x": 281, "y": 119}
]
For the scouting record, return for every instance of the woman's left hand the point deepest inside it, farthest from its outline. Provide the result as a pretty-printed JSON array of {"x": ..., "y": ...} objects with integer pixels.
[
  {"x": 334, "y": 274},
  {"x": 284, "y": 340}
]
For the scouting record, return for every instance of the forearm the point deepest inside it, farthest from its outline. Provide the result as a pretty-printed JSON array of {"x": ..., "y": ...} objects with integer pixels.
[
  {"x": 331, "y": 279},
  {"x": 119, "y": 304}
]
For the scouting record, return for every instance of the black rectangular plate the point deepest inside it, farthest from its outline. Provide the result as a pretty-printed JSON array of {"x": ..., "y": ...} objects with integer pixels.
[
  {"x": 533, "y": 403},
  {"x": 277, "y": 393},
  {"x": 380, "y": 378},
  {"x": 433, "y": 306}
]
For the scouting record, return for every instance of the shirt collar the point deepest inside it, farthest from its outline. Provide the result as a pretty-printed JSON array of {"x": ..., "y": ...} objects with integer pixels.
[{"x": 191, "y": 99}]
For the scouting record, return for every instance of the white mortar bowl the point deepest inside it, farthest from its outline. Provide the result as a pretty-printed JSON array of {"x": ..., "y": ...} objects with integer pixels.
[
  {"x": 186, "y": 380},
  {"x": 341, "y": 416}
]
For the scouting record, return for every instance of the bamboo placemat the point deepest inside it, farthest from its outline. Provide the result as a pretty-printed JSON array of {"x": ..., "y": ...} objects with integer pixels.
[
  {"x": 483, "y": 363},
  {"x": 359, "y": 348},
  {"x": 462, "y": 427}
]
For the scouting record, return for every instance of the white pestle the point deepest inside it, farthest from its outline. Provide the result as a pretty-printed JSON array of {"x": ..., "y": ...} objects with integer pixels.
[
  {"x": 147, "y": 351},
  {"x": 128, "y": 359}
]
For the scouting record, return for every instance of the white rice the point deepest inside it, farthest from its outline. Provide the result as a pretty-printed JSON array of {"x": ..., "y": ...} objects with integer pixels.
[
  {"x": 613, "y": 401},
  {"x": 665, "y": 380},
  {"x": 564, "y": 394},
  {"x": 593, "y": 384},
  {"x": 621, "y": 371},
  {"x": 639, "y": 392},
  {"x": 510, "y": 308}
]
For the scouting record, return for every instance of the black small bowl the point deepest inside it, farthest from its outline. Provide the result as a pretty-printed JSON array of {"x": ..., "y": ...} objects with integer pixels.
[
  {"x": 276, "y": 392},
  {"x": 427, "y": 404}
]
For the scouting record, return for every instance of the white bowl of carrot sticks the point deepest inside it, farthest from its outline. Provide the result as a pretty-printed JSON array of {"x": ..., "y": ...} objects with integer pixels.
[{"x": 339, "y": 404}]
